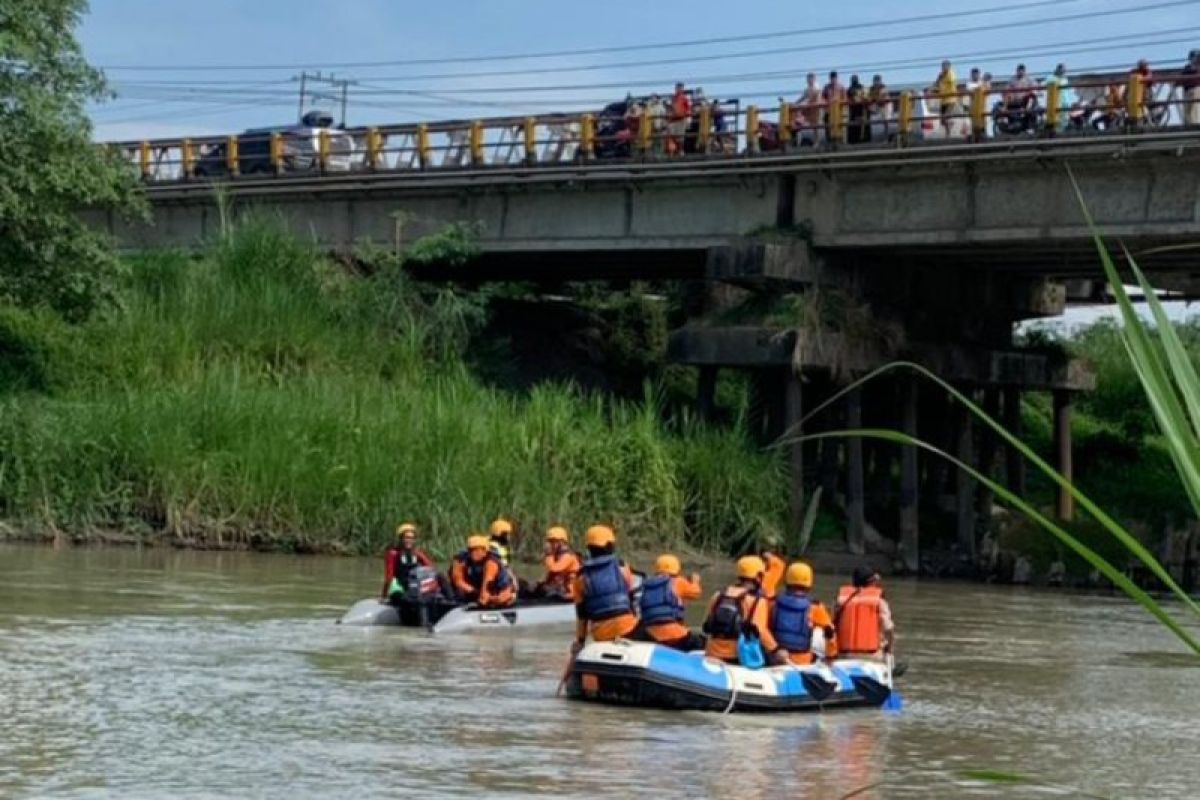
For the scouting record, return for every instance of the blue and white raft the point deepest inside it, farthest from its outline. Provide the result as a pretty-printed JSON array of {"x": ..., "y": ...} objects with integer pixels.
[{"x": 649, "y": 675}]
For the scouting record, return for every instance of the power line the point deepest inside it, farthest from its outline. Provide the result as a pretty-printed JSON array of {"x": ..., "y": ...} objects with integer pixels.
[{"x": 601, "y": 50}]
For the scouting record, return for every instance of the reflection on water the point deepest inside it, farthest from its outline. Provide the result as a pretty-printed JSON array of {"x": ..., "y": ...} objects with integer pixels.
[{"x": 148, "y": 674}]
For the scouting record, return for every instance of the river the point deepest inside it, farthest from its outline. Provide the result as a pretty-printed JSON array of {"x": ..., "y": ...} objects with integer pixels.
[{"x": 156, "y": 673}]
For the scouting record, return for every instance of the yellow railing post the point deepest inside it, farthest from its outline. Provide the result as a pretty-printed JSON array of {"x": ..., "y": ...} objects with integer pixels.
[
  {"x": 423, "y": 145},
  {"x": 837, "y": 125},
  {"x": 277, "y": 152},
  {"x": 232, "y": 162},
  {"x": 978, "y": 113},
  {"x": 374, "y": 148},
  {"x": 144, "y": 159},
  {"x": 1133, "y": 99},
  {"x": 1052, "y": 95},
  {"x": 704, "y": 131},
  {"x": 187, "y": 158},
  {"x": 906, "y": 109},
  {"x": 645, "y": 132},
  {"x": 477, "y": 142},
  {"x": 752, "y": 129},
  {"x": 785, "y": 125},
  {"x": 323, "y": 150},
  {"x": 587, "y": 135},
  {"x": 530, "y": 131}
]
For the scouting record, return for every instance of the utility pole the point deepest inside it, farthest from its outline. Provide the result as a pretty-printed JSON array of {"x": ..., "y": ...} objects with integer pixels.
[{"x": 328, "y": 87}]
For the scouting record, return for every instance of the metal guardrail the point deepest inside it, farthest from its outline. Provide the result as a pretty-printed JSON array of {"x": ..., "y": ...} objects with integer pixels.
[{"x": 1095, "y": 105}]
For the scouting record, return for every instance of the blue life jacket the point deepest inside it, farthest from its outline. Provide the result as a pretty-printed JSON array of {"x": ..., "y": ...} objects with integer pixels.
[
  {"x": 791, "y": 623},
  {"x": 473, "y": 572},
  {"x": 659, "y": 601},
  {"x": 605, "y": 592}
]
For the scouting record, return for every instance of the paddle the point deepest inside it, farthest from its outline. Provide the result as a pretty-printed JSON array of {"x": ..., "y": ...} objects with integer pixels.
[{"x": 562, "y": 682}]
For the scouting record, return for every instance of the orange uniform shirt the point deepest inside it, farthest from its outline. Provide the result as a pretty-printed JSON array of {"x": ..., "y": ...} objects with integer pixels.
[
  {"x": 685, "y": 589},
  {"x": 756, "y": 611},
  {"x": 604, "y": 630},
  {"x": 458, "y": 577},
  {"x": 561, "y": 570},
  {"x": 487, "y": 598},
  {"x": 776, "y": 567}
]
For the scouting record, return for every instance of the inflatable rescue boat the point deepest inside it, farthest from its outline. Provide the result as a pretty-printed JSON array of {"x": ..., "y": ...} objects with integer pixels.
[
  {"x": 443, "y": 616},
  {"x": 649, "y": 675}
]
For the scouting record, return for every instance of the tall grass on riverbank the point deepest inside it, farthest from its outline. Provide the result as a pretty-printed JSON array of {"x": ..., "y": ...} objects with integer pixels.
[{"x": 260, "y": 395}]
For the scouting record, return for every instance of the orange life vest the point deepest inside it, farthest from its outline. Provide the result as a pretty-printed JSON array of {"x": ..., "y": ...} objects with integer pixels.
[{"x": 857, "y": 619}]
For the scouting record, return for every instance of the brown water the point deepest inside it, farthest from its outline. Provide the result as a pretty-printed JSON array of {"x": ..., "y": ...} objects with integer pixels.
[{"x": 152, "y": 674}]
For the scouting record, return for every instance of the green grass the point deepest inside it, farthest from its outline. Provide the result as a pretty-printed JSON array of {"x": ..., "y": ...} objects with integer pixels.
[{"x": 259, "y": 395}]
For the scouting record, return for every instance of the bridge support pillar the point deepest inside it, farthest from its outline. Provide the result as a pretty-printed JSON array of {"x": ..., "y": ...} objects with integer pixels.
[
  {"x": 855, "y": 500},
  {"x": 794, "y": 411},
  {"x": 964, "y": 450},
  {"x": 1014, "y": 462},
  {"x": 989, "y": 445},
  {"x": 1062, "y": 448},
  {"x": 706, "y": 392},
  {"x": 909, "y": 545}
]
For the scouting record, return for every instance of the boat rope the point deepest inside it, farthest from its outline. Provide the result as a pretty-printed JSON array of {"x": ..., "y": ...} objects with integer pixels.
[{"x": 733, "y": 690}]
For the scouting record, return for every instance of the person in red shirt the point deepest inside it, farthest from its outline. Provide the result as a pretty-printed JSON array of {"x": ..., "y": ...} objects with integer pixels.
[
  {"x": 677, "y": 122},
  {"x": 399, "y": 560}
]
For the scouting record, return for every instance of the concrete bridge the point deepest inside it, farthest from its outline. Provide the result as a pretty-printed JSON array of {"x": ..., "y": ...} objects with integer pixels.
[{"x": 943, "y": 246}]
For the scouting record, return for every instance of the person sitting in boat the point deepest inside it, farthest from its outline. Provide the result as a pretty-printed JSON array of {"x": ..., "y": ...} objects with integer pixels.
[
  {"x": 863, "y": 618},
  {"x": 499, "y": 533},
  {"x": 739, "y": 609},
  {"x": 400, "y": 559},
  {"x": 775, "y": 563},
  {"x": 603, "y": 592},
  {"x": 562, "y": 566},
  {"x": 662, "y": 610},
  {"x": 478, "y": 576},
  {"x": 795, "y": 615}
]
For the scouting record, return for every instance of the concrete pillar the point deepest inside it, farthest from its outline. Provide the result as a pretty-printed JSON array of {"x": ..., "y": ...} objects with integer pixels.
[
  {"x": 795, "y": 410},
  {"x": 706, "y": 393},
  {"x": 855, "y": 511},
  {"x": 964, "y": 483},
  {"x": 988, "y": 447},
  {"x": 1014, "y": 462},
  {"x": 1062, "y": 448},
  {"x": 909, "y": 549}
]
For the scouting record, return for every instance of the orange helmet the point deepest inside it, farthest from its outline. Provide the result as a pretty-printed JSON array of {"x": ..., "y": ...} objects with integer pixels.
[
  {"x": 600, "y": 536},
  {"x": 406, "y": 527},
  {"x": 751, "y": 567},
  {"x": 799, "y": 574},
  {"x": 557, "y": 533},
  {"x": 668, "y": 565},
  {"x": 477, "y": 541},
  {"x": 500, "y": 526}
]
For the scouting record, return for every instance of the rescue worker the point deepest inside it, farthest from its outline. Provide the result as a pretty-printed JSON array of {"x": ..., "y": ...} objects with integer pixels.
[
  {"x": 863, "y": 618},
  {"x": 794, "y": 617},
  {"x": 478, "y": 576},
  {"x": 603, "y": 592},
  {"x": 499, "y": 533},
  {"x": 399, "y": 560},
  {"x": 562, "y": 565},
  {"x": 740, "y": 608},
  {"x": 662, "y": 606},
  {"x": 776, "y": 565}
]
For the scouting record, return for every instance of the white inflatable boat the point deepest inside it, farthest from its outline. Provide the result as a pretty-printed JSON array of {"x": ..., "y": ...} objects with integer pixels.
[{"x": 445, "y": 617}]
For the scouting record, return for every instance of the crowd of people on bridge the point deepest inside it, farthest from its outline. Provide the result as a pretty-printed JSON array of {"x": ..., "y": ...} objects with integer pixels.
[
  {"x": 867, "y": 111},
  {"x": 770, "y": 603}
]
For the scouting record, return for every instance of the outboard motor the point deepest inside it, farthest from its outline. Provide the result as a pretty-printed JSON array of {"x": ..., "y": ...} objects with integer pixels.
[{"x": 423, "y": 584}]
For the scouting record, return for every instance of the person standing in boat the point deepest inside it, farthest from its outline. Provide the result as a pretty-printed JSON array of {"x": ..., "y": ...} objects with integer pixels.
[
  {"x": 562, "y": 566},
  {"x": 775, "y": 564},
  {"x": 863, "y": 618},
  {"x": 739, "y": 609},
  {"x": 662, "y": 608},
  {"x": 603, "y": 592},
  {"x": 400, "y": 559},
  {"x": 795, "y": 615},
  {"x": 478, "y": 576}
]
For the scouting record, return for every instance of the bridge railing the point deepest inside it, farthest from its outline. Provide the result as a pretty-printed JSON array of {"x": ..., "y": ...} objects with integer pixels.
[{"x": 1093, "y": 105}]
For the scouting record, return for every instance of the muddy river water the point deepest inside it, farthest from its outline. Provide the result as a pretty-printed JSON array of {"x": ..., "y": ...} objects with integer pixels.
[{"x": 164, "y": 674}]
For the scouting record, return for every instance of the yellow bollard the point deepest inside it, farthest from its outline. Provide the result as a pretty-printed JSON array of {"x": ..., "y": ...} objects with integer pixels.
[
  {"x": 423, "y": 145},
  {"x": 587, "y": 135},
  {"x": 752, "y": 129},
  {"x": 277, "y": 152},
  {"x": 374, "y": 148},
  {"x": 530, "y": 131},
  {"x": 906, "y": 110},
  {"x": 785, "y": 125},
  {"x": 187, "y": 158},
  {"x": 704, "y": 131},
  {"x": 645, "y": 132},
  {"x": 1052, "y": 97},
  {"x": 144, "y": 159},
  {"x": 837, "y": 125},
  {"x": 232, "y": 162},
  {"x": 1134, "y": 107},
  {"x": 477, "y": 142},
  {"x": 978, "y": 112},
  {"x": 323, "y": 150}
]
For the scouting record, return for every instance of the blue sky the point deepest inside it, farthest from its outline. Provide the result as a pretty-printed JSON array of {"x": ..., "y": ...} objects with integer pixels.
[{"x": 162, "y": 36}]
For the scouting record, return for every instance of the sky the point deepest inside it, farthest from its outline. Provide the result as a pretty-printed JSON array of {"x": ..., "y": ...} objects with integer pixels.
[{"x": 220, "y": 66}]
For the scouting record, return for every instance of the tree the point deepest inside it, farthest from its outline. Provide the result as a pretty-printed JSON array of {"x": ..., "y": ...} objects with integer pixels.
[{"x": 50, "y": 169}]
